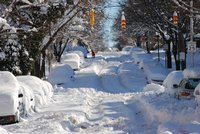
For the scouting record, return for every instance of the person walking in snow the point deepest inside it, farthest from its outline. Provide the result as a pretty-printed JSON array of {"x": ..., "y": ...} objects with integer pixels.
[{"x": 93, "y": 53}]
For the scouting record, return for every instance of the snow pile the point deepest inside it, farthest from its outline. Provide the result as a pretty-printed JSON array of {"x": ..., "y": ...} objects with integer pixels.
[
  {"x": 174, "y": 128},
  {"x": 4, "y": 131}
]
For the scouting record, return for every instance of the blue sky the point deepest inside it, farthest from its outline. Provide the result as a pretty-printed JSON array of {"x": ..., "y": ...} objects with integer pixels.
[{"x": 111, "y": 11}]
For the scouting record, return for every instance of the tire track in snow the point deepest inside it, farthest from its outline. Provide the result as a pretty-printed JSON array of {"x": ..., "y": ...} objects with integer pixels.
[{"x": 110, "y": 80}]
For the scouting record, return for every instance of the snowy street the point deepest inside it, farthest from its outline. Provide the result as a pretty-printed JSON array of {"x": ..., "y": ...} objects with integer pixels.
[
  {"x": 106, "y": 96},
  {"x": 99, "y": 67}
]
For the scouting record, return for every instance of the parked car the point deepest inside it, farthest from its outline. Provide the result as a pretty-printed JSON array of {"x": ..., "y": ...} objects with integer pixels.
[
  {"x": 11, "y": 102},
  {"x": 81, "y": 55},
  {"x": 172, "y": 78},
  {"x": 127, "y": 48},
  {"x": 155, "y": 72},
  {"x": 72, "y": 59},
  {"x": 42, "y": 92},
  {"x": 60, "y": 74},
  {"x": 28, "y": 99},
  {"x": 186, "y": 88}
]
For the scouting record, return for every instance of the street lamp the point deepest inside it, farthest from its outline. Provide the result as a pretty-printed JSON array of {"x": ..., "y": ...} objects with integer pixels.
[
  {"x": 123, "y": 21},
  {"x": 92, "y": 20}
]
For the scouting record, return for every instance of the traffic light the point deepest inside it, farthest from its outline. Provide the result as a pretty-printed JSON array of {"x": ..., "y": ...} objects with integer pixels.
[
  {"x": 92, "y": 20},
  {"x": 123, "y": 21}
]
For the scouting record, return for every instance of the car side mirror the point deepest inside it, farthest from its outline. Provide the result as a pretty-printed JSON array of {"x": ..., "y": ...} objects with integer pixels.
[
  {"x": 20, "y": 95},
  {"x": 175, "y": 86}
]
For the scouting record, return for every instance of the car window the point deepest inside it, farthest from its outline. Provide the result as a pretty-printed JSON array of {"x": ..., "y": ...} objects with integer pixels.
[
  {"x": 193, "y": 83},
  {"x": 182, "y": 83}
]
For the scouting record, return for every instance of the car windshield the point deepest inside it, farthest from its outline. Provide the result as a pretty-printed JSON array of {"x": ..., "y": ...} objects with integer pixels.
[{"x": 192, "y": 83}]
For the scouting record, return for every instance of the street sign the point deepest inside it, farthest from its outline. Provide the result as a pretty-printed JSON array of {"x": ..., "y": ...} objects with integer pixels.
[{"x": 192, "y": 47}]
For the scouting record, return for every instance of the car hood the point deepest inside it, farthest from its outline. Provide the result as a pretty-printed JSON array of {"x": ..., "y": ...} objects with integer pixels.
[{"x": 8, "y": 104}]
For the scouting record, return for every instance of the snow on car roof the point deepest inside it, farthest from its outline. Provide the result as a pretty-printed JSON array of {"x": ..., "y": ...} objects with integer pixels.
[{"x": 8, "y": 82}]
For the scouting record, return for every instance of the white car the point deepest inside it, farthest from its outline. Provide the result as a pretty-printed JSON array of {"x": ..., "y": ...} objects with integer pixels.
[
  {"x": 173, "y": 78},
  {"x": 60, "y": 74},
  {"x": 186, "y": 88},
  {"x": 72, "y": 59},
  {"x": 11, "y": 103},
  {"x": 28, "y": 99},
  {"x": 127, "y": 48},
  {"x": 41, "y": 90},
  {"x": 155, "y": 73}
]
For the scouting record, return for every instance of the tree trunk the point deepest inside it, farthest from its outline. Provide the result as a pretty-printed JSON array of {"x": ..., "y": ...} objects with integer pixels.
[
  {"x": 169, "y": 58},
  {"x": 182, "y": 49}
]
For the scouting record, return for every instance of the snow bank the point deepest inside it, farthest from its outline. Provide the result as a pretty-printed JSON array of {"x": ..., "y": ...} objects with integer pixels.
[
  {"x": 174, "y": 128},
  {"x": 3, "y": 131}
]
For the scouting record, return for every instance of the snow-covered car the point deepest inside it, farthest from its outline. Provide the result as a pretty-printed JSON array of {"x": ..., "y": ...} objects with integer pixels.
[
  {"x": 139, "y": 57},
  {"x": 42, "y": 92},
  {"x": 11, "y": 103},
  {"x": 28, "y": 99},
  {"x": 172, "y": 78},
  {"x": 82, "y": 49},
  {"x": 72, "y": 59},
  {"x": 137, "y": 50},
  {"x": 60, "y": 74},
  {"x": 81, "y": 55},
  {"x": 186, "y": 88},
  {"x": 155, "y": 73},
  {"x": 127, "y": 48}
]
